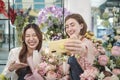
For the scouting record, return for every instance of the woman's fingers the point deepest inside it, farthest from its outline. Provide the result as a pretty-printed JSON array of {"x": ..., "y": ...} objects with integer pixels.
[
  {"x": 21, "y": 65},
  {"x": 73, "y": 43},
  {"x": 14, "y": 66},
  {"x": 70, "y": 48},
  {"x": 75, "y": 46}
]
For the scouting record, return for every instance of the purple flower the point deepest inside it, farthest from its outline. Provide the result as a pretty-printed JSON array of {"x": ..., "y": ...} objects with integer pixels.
[{"x": 52, "y": 18}]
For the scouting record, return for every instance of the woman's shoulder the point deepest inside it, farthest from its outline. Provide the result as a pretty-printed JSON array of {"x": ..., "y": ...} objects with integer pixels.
[
  {"x": 14, "y": 52},
  {"x": 15, "y": 49}
]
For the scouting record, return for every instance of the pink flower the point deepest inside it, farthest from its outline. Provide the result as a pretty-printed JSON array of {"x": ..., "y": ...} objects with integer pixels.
[
  {"x": 2, "y": 6},
  {"x": 59, "y": 75},
  {"x": 50, "y": 67},
  {"x": 43, "y": 65},
  {"x": 115, "y": 51},
  {"x": 103, "y": 60},
  {"x": 51, "y": 60},
  {"x": 51, "y": 75},
  {"x": 41, "y": 69},
  {"x": 89, "y": 74},
  {"x": 101, "y": 49},
  {"x": 65, "y": 78},
  {"x": 116, "y": 71}
]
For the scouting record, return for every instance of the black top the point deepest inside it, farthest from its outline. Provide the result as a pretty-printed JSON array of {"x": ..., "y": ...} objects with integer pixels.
[{"x": 75, "y": 68}]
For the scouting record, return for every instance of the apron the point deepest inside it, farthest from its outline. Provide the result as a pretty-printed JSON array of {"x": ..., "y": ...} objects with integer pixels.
[
  {"x": 23, "y": 72},
  {"x": 75, "y": 68}
]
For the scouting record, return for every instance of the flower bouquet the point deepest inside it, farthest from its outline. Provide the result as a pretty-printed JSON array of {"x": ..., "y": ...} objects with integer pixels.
[
  {"x": 51, "y": 21},
  {"x": 50, "y": 66},
  {"x": 109, "y": 65},
  {"x": 54, "y": 66}
]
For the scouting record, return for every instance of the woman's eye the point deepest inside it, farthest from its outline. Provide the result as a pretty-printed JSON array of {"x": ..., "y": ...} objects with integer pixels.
[
  {"x": 66, "y": 27},
  {"x": 27, "y": 36},
  {"x": 34, "y": 35},
  {"x": 72, "y": 25}
]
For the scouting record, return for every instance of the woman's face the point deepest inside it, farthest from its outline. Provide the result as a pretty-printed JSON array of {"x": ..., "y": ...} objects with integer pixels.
[
  {"x": 73, "y": 27},
  {"x": 31, "y": 39}
]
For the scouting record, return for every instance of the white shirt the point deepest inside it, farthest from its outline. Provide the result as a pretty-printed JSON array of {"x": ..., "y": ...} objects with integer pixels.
[{"x": 13, "y": 56}]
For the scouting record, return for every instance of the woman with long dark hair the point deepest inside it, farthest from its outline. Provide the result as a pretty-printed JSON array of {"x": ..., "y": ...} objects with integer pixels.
[{"x": 17, "y": 66}]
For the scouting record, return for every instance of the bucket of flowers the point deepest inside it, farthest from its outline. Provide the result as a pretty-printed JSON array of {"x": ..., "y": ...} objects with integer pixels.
[
  {"x": 107, "y": 60},
  {"x": 108, "y": 65}
]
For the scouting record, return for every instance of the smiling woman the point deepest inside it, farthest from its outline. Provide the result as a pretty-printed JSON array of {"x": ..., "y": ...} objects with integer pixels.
[
  {"x": 81, "y": 49},
  {"x": 17, "y": 65}
]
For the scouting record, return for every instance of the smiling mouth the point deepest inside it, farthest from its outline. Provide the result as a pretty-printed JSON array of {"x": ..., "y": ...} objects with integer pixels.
[
  {"x": 32, "y": 43},
  {"x": 71, "y": 33}
]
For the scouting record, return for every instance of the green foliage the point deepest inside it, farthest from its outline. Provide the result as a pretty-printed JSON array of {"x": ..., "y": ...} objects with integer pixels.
[{"x": 20, "y": 23}]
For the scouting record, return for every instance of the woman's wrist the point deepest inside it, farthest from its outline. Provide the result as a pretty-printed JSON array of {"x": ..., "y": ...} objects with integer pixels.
[{"x": 11, "y": 69}]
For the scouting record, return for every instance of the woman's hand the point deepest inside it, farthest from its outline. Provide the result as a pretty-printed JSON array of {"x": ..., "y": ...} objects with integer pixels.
[
  {"x": 75, "y": 46},
  {"x": 15, "y": 66}
]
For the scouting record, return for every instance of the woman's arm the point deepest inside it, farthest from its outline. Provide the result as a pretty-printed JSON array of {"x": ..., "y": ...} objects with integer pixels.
[
  {"x": 91, "y": 51},
  {"x": 11, "y": 58}
]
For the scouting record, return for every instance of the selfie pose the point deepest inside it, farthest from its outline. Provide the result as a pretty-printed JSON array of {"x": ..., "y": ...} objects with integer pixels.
[{"x": 81, "y": 66}]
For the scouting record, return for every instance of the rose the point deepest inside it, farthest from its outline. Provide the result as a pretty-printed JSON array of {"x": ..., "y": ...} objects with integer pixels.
[
  {"x": 51, "y": 75},
  {"x": 41, "y": 68},
  {"x": 52, "y": 60},
  {"x": 65, "y": 78},
  {"x": 2, "y": 6},
  {"x": 115, "y": 51},
  {"x": 89, "y": 74},
  {"x": 116, "y": 71},
  {"x": 50, "y": 67},
  {"x": 101, "y": 49},
  {"x": 103, "y": 60}
]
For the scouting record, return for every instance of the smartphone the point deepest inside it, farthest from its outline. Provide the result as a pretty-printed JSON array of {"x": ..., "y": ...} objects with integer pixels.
[{"x": 57, "y": 46}]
